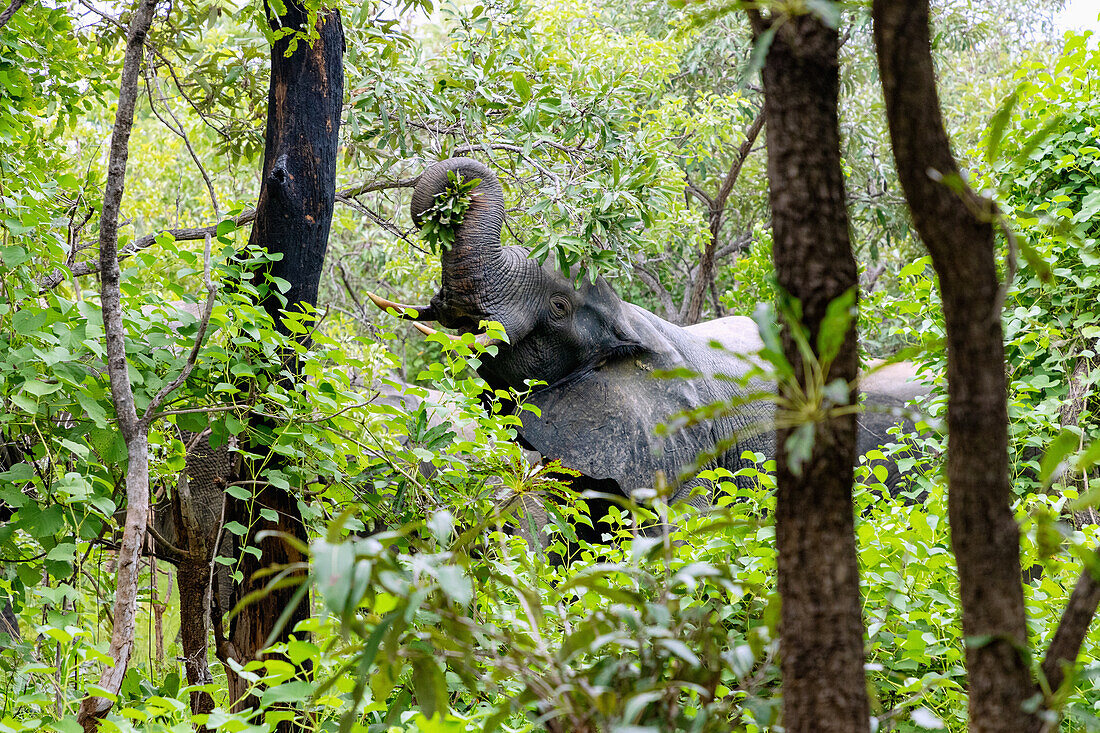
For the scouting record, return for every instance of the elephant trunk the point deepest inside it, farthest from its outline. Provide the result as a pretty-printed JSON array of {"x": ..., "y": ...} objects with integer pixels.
[{"x": 474, "y": 265}]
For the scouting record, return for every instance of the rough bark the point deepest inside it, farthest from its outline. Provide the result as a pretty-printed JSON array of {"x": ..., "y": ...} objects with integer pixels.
[
  {"x": 293, "y": 215},
  {"x": 1081, "y": 608},
  {"x": 1072, "y": 629},
  {"x": 1069, "y": 414},
  {"x": 10, "y": 12},
  {"x": 955, "y": 226},
  {"x": 821, "y": 631},
  {"x": 193, "y": 580},
  {"x": 134, "y": 430}
]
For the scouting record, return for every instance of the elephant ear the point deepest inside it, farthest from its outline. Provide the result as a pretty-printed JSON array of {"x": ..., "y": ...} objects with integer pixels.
[{"x": 604, "y": 423}]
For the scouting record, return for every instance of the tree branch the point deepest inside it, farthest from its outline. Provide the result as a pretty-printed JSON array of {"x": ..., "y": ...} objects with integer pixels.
[
  {"x": 134, "y": 431},
  {"x": 697, "y": 292},
  {"x": 518, "y": 150},
  {"x": 955, "y": 225},
  {"x": 693, "y": 189},
  {"x": 10, "y": 12},
  {"x": 743, "y": 151},
  {"x": 1072, "y": 629},
  {"x": 152, "y": 82},
  {"x": 651, "y": 281},
  {"x": 186, "y": 234},
  {"x": 737, "y": 245}
]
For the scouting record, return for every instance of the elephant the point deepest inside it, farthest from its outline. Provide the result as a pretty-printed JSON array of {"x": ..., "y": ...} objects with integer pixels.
[{"x": 595, "y": 355}]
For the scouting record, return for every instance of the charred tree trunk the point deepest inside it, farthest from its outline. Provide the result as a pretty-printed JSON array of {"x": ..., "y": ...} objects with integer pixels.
[
  {"x": 821, "y": 631},
  {"x": 955, "y": 225},
  {"x": 293, "y": 216}
]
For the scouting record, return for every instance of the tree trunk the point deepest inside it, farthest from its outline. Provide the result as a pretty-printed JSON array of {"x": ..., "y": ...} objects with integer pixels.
[
  {"x": 134, "y": 430},
  {"x": 191, "y": 579},
  {"x": 955, "y": 226},
  {"x": 293, "y": 215},
  {"x": 208, "y": 469},
  {"x": 821, "y": 632}
]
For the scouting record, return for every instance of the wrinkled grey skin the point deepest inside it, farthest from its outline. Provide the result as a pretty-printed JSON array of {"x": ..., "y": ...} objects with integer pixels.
[
  {"x": 596, "y": 353},
  {"x": 601, "y": 406},
  {"x": 888, "y": 390}
]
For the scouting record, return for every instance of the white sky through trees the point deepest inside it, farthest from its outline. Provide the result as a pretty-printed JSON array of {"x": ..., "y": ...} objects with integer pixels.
[{"x": 1080, "y": 15}]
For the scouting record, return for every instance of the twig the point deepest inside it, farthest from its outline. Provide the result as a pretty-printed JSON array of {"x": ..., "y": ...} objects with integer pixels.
[
  {"x": 192, "y": 358},
  {"x": 174, "y": 551},
  {"x": 151, "y": 81},
  {"x": 186, "y": 234},
  {"x": 692, "y": 307},
  {"x": 196, "y": 410},
  {"x": 11, "y": 11},
  {"x": 654, "y": 284},
  {"x": 461, "y": 149}
]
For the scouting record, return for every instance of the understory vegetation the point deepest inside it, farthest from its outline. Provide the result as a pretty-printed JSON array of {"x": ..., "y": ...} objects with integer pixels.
[{"x": 627, "y": 137}]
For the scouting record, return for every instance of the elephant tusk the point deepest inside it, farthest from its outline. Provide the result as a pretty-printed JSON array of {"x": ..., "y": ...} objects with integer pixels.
[
  {"x": 482, "y": 338},
  {"x": 421, "y": 312}
]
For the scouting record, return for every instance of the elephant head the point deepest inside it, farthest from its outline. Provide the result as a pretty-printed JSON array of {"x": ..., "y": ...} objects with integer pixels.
[{"x": 593, "y": 354}]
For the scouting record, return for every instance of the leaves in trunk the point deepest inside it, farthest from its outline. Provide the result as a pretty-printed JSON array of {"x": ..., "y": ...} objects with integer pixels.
[{"x": 444, "y": 216}]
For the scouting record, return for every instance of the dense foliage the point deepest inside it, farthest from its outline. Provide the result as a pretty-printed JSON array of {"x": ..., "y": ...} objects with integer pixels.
[{"x": 428, "y": 612}]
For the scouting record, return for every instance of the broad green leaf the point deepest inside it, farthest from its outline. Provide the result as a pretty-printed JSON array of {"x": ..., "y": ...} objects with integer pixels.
[
  {"x": 522, "y": 87},
  {"x": 998, "y": 123},
  {"x": 1063, "y": 444}
]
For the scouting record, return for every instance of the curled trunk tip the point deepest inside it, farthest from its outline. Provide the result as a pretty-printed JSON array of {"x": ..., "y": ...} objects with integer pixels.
[
  {"x": 433, "y": 181},
  {"x": 474, "y": 268}
]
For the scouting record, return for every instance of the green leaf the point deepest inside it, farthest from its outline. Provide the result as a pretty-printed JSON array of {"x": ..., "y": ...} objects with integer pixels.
[
  {"x": 236, "y": 528},
  {"x": 799, "y": 447},
  {"x": 1063, "y": 444},
  {"x": 523, "y": 89},
  {"x": 19, "y": 473},
  {"x": 455, "y": 584},
  {"x": 92, "y": 408},
  {"x": 41, "y": 523},
  {"x": 239, "y": 492},
  {"x": 192, "y": 422},
  {"x": 24, "y": 403},
  {"x": 681, "y": 650},
  {"x": 293, "y": 691},
  {"x": 839, "y": 315},
  {"x": 1036, "y": 139},
  {"x": 827, "y": 10},
  {"x": 65, "y": 552},
  {"x": 430, "y": 686},
  {"x": 1034, "y": 259},
  {"x": 40, "y": 389},
  {"x": 759, "y": 52},
  {"x": 998, "y": 123}
]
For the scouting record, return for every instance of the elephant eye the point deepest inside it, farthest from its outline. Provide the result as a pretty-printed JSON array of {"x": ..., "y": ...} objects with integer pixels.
[{"x": 559, "y": 305}]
